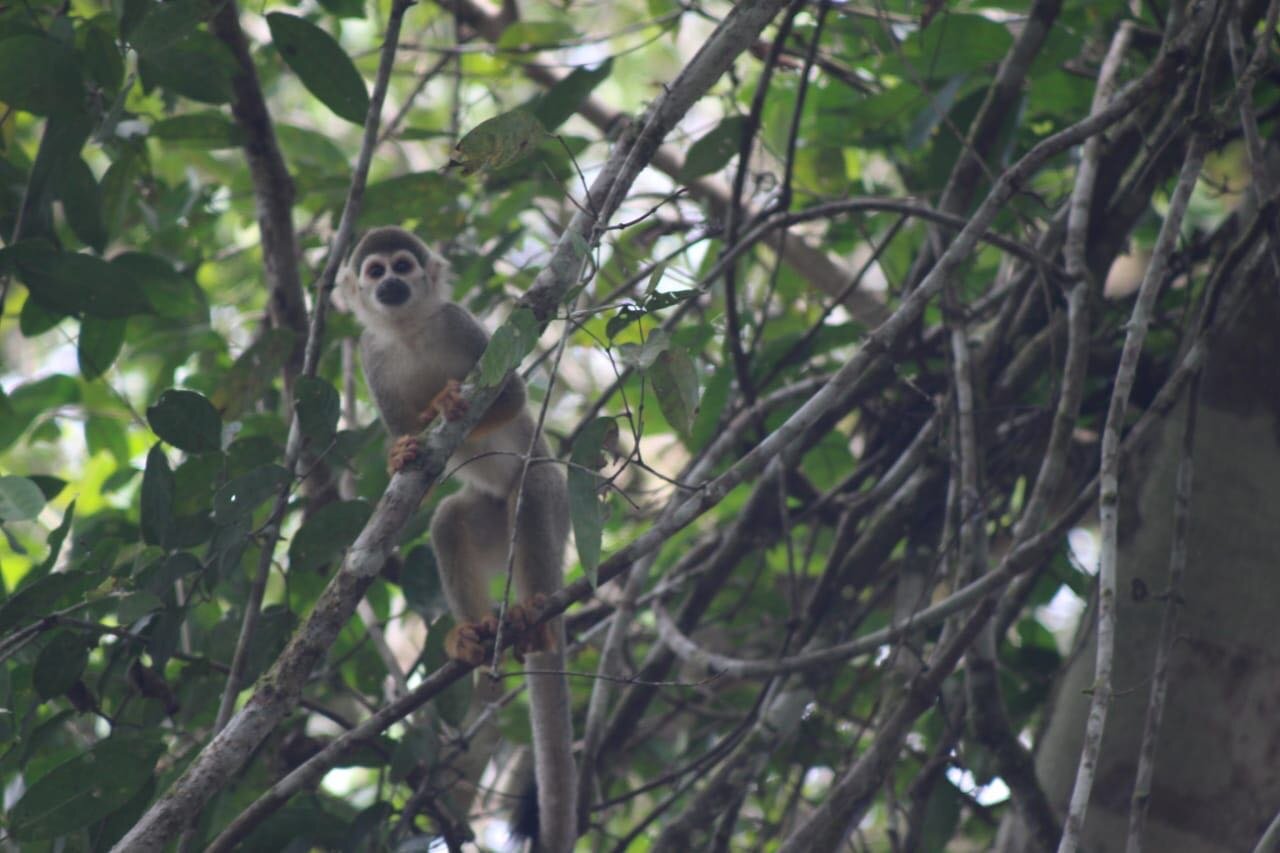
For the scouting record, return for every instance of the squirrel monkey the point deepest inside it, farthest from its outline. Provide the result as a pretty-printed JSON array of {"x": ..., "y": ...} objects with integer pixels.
[{"x": 415, "y": 348}]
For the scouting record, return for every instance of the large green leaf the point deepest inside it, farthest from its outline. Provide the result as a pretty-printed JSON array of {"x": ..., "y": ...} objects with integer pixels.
[
  {"x": 245, "y": 493},
  {"x": 585, "y": 508},
  {"x": 39, "y": 75},
  {"x": 420, "y": 581},
  {"x": 554, "y": 106},
  {"x": 187, "y": 420},
  {"x": 711, "y": 152},
  {"x": 675, "y": 382},
  {"x": 171, "y": 295},
  {"x": 198, "y": 67},
  {"x": 82, "y": 203},
  {"x": 498, "y": 142},
  {"x": 317, "y": 404},
  {"x": 74, "y": 283},
  {"x": 209, "y": 129},
  {"x": 29, "y": 401},
  {"x": 326, "y": 534},
  {"x": 157, "y": 498},
  {"x": 321, "y": 64},
  {"x": 430, "y": 197},
  {"x": 59, "y": 664},
  {"x": 20, "y": 499},
  {"x": 512, "y": 341},
  {"x": 85, "y": 789},
  {"x": 36, "y": 599},
  {"x": 99, "y": 344},
  {"x": 168, "y": 23}
]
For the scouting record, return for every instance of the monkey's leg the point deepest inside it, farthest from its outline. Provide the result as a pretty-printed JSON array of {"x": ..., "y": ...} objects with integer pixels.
[{"x": 469, "y": 535}]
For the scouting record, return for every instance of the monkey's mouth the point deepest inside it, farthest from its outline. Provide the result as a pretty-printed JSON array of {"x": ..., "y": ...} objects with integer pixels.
[{"x": 392, "y": 291}]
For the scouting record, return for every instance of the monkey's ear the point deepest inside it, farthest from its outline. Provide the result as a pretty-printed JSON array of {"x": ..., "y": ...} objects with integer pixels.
[
  {"x": 344, "y": 292},
  {"x": 438, "y": 271}
]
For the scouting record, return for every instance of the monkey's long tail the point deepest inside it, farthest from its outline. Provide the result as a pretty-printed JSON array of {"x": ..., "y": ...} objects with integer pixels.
[{"x": 554, "y": 769}]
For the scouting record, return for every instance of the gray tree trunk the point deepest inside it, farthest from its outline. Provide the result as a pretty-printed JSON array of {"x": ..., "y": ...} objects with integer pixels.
[{"x": 1217, "y": 774}]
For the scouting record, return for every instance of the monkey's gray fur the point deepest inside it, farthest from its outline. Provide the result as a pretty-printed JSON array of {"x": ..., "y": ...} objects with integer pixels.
[{"x": 415, "y": 341}]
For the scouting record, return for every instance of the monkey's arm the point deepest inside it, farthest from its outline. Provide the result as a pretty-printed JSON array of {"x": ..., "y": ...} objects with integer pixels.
[{"x": 470, "y": 339}]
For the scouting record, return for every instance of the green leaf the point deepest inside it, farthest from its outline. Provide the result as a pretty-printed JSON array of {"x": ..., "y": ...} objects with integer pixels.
[
  {"x": 957, "y": 44},
  {"x": 55, "y": 540},
  {"x": 713, "y": 151},
  {"x": 187, "y": 420},
  {"x": 419, "y": 746},
  {"x": 431, "y": 197},
  {"x": 20, "y": 499},
  {"x": 171, "y": 295},
  {"x": 420, "y": 582},
  {"x": 37, "y": 599},
  {"x": 553, "y": 107},
  {"x": 39, "y": 75},
  {"x": 675, "y": 382},
  {"x": 135, "y": 605},
  {"x": 307, "y": 148},
  {"x": 619, "y": 322},
  {"x": 99, "y": 344},
  {"x": 29, "y": 401},
  {"x": 643, "y": 356},
  {"x": 166, "y": 24},
  {"x": 512, "y": 341},
  {"x": 714, "y": 399},
  {"x": 245, "y": 493},
  {"x": 85, "y": 789},
  {"x": 210, "y": 130},
  {"x": 59, "y": 664},
  {"x": 82, "y": 203},
  {"x": 274, "y": 627},
  {"x": 106, "y": 434},
  {"x": 157, "y": 498},
  {"x": 251, "y": 374},
  {"x": 317, "y": 406},
  {"x": 498, "y": 142},
  {"x": 321, "y": 64},
  {"x": 326, "y": 534},
  {"x": 344, "y": 8},
  {"x": 75, "y": 283},
  {"x": 102, "y": 59},
  {"x": 198, "y": 67},
  {"x": 585, "y": 508},
  {"x": 536, "y": 34},
  {"x": 35, "y": 320}
]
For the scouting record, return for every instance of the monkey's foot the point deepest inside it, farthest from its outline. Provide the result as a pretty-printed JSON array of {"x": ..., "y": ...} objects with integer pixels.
[
  {"x": 404, "y": 452},
  {"x": 449, "y": 402},
  {"x": 530, "y": 636},
  {"x": 471, "y": 642}
]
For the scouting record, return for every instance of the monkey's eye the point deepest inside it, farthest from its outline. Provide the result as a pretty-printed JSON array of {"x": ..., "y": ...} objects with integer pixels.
[
  {"x": 375, "y": 271},
  {"x": 402, "y": 266}
]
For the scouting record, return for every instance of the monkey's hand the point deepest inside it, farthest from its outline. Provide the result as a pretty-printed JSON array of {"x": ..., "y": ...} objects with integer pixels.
[
  {"x": 530, "y": 636},
  {"x": 471, "y": 642},
  {"x": 448, "y": 402},
  {"x": 404, "y": 452}
]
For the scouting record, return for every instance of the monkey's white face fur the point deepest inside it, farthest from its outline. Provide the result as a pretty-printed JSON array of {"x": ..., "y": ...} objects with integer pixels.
[{"x": 390, "y": 291}]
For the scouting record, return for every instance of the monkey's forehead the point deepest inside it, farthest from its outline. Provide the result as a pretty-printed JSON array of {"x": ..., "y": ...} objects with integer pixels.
[{"x": 389, "y": 239}]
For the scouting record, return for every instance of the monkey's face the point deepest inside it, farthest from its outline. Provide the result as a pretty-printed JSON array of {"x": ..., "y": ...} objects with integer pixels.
[{"x": 391, "y": 288}]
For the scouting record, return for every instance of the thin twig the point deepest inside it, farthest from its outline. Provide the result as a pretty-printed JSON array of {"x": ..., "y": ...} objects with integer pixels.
[
  {"x": 1109, "y": 494},
  {"x": 1140, "y": 802}
]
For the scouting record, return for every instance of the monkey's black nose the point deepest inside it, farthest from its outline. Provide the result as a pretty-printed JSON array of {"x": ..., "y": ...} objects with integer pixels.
[{"x": 392, "y": 291}]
